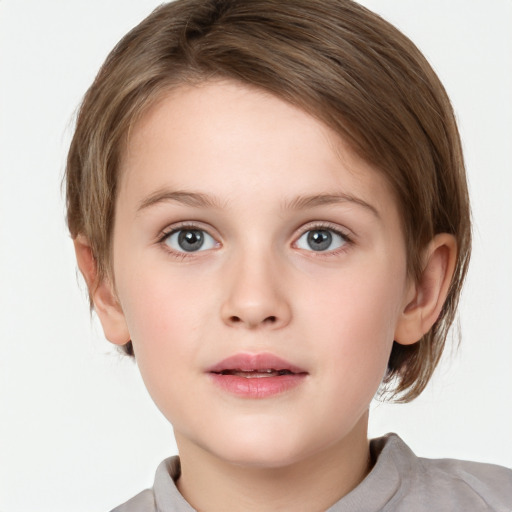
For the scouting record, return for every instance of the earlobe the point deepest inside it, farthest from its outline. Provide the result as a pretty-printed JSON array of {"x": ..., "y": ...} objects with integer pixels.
[
  {"x": 102, "y": 294},
  {"x": 425, "y": 299}
]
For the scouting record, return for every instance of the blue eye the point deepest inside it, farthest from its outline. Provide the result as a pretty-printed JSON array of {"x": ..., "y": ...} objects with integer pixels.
[
  {"x": 320, "y": 240},
  {"x": 190, "y": 240}
]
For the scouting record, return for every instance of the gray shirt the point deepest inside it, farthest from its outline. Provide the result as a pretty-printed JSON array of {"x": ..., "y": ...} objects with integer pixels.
[{"x": 398, "y": 482}]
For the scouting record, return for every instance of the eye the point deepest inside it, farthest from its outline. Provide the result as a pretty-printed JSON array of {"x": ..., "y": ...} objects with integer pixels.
[
  {"x": 320, "y": 240},
  {"x": 190, "y": 240}
]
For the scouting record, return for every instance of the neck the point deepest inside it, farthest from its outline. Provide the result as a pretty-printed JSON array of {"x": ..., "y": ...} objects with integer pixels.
[{"x": 314, "y": 483}]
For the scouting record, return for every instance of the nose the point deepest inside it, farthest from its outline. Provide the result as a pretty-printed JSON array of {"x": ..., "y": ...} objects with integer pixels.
[{"x": 256, "y": 295}]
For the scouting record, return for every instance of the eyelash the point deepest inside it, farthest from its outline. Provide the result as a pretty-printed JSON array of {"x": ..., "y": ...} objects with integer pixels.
[
  {"x": 326, "y": 226},
  {"x": 319, "y": 226},
  {"x": 166, "y": 233}
]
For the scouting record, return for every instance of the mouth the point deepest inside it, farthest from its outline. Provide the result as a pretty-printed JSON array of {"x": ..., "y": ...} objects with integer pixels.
[
  {"x": 255, "y": 366},
  {"x": 256, "y": 375}
]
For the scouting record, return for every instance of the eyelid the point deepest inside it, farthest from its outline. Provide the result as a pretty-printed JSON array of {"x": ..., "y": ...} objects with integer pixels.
[
  {"x": 328, "y": 226},
  {"x": 344, "y": 233},
  {"x": 164, "y": 235},
  {"x": 187, "y": 224}
]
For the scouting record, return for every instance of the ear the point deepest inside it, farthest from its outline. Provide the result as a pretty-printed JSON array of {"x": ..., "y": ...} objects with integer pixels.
[
  {"x": 425, "y": 298},
  {"x": 102, "y": 294}
]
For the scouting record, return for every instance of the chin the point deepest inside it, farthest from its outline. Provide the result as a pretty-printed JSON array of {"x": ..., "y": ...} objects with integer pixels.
[
  {"x": 259, "y": 460},
  {"x": 257, "y": 451}
]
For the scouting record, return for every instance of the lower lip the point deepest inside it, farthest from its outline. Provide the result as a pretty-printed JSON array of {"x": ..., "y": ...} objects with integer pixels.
[{"x": 257, "y": 387}]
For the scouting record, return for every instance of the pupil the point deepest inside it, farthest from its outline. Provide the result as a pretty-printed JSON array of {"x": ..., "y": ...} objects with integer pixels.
[
  {"x": 319, "y": 240},
  {"x": 191, "y": 240}
]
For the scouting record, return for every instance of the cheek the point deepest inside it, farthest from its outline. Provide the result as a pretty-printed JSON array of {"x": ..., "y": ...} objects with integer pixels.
[
  {"x": 170, "y": 315},
  {"x": 161, "y": 303},
  {"x": 166, "y": 313},
  {"x": 353, "y": 322}
]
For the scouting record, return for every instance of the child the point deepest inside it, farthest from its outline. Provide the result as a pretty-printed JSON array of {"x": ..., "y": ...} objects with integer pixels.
[{"x": 269, "y": 207}]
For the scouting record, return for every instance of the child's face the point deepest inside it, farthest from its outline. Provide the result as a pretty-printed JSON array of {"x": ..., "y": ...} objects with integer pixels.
[{"x": 302, "y": 260}]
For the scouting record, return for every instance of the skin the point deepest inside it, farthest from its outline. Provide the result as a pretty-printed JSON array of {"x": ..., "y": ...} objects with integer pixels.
[{"x": 257, "y": 286}]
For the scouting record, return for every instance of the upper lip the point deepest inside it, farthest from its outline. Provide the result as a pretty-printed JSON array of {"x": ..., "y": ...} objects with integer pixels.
[{"x": 254, "y": 362}]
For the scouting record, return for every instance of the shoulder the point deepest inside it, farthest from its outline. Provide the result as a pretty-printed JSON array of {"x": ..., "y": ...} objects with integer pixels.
[
  {"x": 164, "y": 494},
  {"x": 484, "y": 485},
  {"x": 143, "y": 502},
  {"x": 448, "y": 484}
]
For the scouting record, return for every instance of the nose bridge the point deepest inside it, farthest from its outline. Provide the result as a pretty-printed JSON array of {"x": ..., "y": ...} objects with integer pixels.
[{"x": 255, "y": 295}]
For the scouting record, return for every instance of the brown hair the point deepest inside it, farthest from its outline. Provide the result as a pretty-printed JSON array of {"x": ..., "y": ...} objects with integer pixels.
[{"x": 333, "y": 58}]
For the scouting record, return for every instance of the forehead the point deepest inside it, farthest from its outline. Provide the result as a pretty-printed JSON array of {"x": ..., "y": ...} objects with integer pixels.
[{"x": 235, "y": 141}]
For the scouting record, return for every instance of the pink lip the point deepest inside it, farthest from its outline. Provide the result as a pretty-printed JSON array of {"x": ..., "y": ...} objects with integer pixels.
[{"x": 226, "y": 375}]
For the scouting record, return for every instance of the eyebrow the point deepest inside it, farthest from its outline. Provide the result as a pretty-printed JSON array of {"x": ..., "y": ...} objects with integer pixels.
[
  {"x": 194, "y": 199},
  {"x": 200, "y": 200},
  {"x": 316, "y": 200}
]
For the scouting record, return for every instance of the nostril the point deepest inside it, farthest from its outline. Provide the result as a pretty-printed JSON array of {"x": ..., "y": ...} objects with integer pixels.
[{"x": 252, "y": 319}]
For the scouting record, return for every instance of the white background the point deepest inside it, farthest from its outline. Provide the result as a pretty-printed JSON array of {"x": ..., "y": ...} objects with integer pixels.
[{"x": 77, "y": 429}]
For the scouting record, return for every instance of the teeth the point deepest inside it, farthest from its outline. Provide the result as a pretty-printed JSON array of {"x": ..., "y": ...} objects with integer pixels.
[{"x": 256, "y": 374}]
